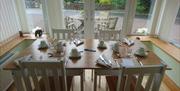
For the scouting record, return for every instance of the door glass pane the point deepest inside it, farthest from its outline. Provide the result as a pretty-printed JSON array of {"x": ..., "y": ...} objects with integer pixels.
[
  {"x": 142, "y": 17},
  {"x": 175, "y": 31},
  {"x": 34, "y": 15},
  {"x": 109, "y": 14},
  {"x": 74, "y": 15}
]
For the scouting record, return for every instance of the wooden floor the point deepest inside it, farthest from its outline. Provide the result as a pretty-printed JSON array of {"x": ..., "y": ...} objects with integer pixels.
[{"x": 88, "y": 85}]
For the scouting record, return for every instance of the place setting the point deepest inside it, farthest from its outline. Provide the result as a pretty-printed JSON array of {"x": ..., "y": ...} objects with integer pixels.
[
  {"x": 102, "y": 45},
  {"x": 141, "y": 52},
  {"x": 124, "y": 55},
  {"x": 43, "y": 45},
  {"x": 57, "y": 49},
  {"x": 121, "y": 50},
  {"x": 75, "y": 54}
]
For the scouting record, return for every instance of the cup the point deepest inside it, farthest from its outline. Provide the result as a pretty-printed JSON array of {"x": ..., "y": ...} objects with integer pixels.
[
  {"x": 43, "y": 44},
  {"x": 116, "y": 46},
  {"x": 74, "y": 52},
  {"x": 59, "y": 47},
  {"x": 101, "y": 43},
  {"x": 141, "y": 51},
  {"x": 123, "y": 51}
]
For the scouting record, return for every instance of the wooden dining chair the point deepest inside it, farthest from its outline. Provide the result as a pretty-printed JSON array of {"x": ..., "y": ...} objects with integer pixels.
[
  {"x": 44, "y": 76},
  {"x": 105, "y": 72},
  {"x": 109, "y": 34},
  {"x": 130, "y": 78},
  {"x": 63, "y": 34}
]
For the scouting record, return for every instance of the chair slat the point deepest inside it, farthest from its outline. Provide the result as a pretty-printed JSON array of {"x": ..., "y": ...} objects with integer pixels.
[
  {"x": 46, "y": 80},
  {"x": 35, "y": 79},
  {"x": 56, "y": 80},
  {"x": 27, "y": 80},
  {"x": 63, "y": 34},
  {"x": 109, "y": 34},
  {"x": 149, "y": 82},
  {"x": 138, "y": 83},
  {"x": 128, "y": 83}
]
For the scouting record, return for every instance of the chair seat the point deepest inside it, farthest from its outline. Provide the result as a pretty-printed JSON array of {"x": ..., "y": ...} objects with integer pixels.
[
  {"x": 112, "y": 80},
  {"x": 52, "y": 86}
]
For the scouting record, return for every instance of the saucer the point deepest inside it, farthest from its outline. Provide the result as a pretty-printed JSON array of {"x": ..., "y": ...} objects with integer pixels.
[
  {"x": 141, "y": 55},
  {"x": 75, "y": 57},
  {"x": 42, "y": 47},
  {"x": 102, "y": 47}
]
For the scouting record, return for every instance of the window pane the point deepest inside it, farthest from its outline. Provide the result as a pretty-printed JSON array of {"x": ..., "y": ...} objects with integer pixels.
[
  {"x": 109, "y": 14},
  {"x": 74, "y": 15},
  {"x": 34, "y": 14},
  {"x": 142, "y": 16},
  {"x": 175, "y": 31}
]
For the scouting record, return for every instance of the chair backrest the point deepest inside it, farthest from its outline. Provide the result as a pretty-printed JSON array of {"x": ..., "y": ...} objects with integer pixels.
[
  {"x": 40, "y": 76},
  {"x": 112, "y": 22},
  {"x": 153, "y": 73},
  {"x": 109, "y": 34},
  {"x": 124, "y": 77},
  {"x": 63, "y": 34}
]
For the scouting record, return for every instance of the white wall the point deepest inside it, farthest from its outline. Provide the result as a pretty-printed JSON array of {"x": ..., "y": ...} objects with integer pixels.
[
  {"x": 167, "y": 17},
  {"x": 8, "y": 19}
]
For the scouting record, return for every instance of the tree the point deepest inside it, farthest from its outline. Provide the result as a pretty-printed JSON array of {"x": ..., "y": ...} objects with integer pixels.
[
  {"x": 105, "y": 1},
  {"x": 143, "y": 6}
]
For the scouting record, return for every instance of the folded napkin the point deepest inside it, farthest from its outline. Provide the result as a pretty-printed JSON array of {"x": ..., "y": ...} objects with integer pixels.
[
  {"x": 128, "y": 41},
  {"x": 78, "y": 42},
  {"x": 24, "y": 58},
  {"x": 103, "y": 61}
]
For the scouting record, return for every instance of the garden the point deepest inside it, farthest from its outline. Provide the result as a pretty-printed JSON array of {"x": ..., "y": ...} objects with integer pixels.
[{"x": 143, "y": 6}]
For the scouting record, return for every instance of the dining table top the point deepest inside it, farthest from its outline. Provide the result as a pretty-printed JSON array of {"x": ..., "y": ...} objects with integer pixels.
[{"x": 88, "y": 59}]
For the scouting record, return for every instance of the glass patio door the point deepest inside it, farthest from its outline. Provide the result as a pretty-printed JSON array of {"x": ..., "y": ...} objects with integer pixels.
[
  {"x": 35, "y": 15},
  {"x": 89, "y": 16}
]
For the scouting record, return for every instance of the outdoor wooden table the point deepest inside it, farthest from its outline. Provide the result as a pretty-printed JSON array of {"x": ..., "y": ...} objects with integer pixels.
[{"x": 88, "y": 59}]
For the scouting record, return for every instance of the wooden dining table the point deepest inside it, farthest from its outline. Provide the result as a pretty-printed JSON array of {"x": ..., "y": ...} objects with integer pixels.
[{"x": 88, "y": 59}]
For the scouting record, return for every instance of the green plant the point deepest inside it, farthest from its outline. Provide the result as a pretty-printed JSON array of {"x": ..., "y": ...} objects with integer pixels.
[
  {"x": 105, "y": 2},
  {"x": 143, "y": 6},
  {"x": 119, "y": 4}
]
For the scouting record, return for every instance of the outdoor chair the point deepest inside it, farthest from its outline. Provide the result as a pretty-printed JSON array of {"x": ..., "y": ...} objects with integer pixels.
[{"x": 109, "y": 24}]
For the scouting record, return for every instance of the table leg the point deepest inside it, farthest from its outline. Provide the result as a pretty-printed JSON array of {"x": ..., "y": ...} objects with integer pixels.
[{"x": 82, "y": 82}]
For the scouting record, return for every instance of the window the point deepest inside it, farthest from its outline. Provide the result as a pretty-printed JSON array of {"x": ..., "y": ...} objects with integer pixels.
[
  {"x": 110, "y": 14},
  {"x": 74, "y": 15},
  {"x": 175, "y": 31},
  {"x": 142, "y": 17},
  {"x": 34, "y": 15}
]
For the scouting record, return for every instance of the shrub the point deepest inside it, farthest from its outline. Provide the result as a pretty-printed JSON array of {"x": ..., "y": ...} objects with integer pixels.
[{"x": 105, "y": 2}]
